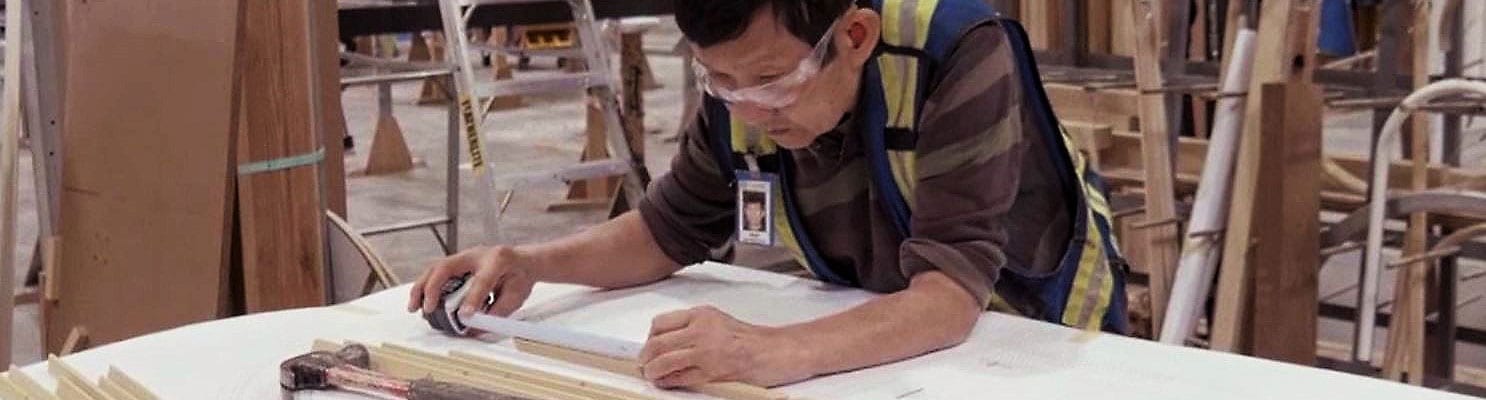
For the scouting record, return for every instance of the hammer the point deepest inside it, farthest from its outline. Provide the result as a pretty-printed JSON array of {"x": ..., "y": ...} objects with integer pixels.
[{"x": 348, "y": 370}]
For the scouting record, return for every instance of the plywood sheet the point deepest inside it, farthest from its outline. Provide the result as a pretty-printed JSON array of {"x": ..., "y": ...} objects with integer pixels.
[{"x": 146, "y": 121}]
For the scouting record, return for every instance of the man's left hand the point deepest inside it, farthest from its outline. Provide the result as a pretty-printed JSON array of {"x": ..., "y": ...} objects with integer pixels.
[{"x": 703, "y": 344}]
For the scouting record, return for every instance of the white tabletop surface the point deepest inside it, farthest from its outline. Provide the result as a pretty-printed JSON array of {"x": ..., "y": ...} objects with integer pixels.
[{"x": 1005, "y": 357}]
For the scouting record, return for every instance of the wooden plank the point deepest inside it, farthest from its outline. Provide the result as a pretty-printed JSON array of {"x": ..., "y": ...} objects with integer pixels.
[
  {"x": 1098, "y": 17},
  {"x": 145, "y": 193},
  {"x": 66, "y": 374},
  {"x": 404, "y": 363},
  {"x": 1162, "y": 241},
  {"x": 10, "y": 134},
  {"x": 498, "y": 367},
  {"x": 332, "y": 115},
  {"x": 27, "y": 385},
  {"x": 1044, "y": 20},
  {"x": 77, "y": 340},
  {"x": 1404, "y": 358},
  {"x": 1287, "y": 31},
  {"x": 1285, "y": 265},
  {"x": 516, "y": 373},
  {"x": 281, "y": 220},
  {"x": 1233, "y": 20},
  {"x": 1197, "y": 50},
  {"x": 725, "y": 390},
  {"x": 405, "y": 367},
  {"x": 1119, "y": 151},
  {"x": 8, "y": 390},
  {"x": 1121, "y": 28},
  {"x": 113, "y": 390},
  {"x": 1117, "y": 108},
  {"x": 68, "y": 390},
  {"x": 130, "y": 385}
]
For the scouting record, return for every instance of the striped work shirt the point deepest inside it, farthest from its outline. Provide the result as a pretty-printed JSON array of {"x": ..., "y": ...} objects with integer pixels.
[{"x": 987, "y": 196}]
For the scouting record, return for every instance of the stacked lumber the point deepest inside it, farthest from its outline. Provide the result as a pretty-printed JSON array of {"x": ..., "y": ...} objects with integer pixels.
[
  {"x": 487, "y": 373},
  {"x": 73, "y": 385}
]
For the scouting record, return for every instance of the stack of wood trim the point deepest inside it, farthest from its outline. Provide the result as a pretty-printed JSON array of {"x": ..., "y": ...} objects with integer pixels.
[
  {"x": 487, "y": 373},
  {"x": 73, "y": 385}
]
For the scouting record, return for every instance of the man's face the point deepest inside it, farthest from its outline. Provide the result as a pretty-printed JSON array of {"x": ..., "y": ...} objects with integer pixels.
[
  {"x": 753, "y": 215},
  {"x": 767, "y": 51}
]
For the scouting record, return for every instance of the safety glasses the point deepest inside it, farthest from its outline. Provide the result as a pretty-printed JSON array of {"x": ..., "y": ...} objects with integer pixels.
[{"x": 779, "y": 93}]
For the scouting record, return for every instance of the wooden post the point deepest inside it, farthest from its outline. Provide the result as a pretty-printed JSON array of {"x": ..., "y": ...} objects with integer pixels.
[
  {"x": 332, "y": 115},
  {"x": 430, "y": 47},
  {"x": 1098, "y": 15},
  {"x": 1404, "y": 359},
  {"x": 632, "y": 105},
  {"x": 500, "y": 65},
  {"x": 1121, "y": 28},
  {"x": 1285, "y": 263},
  {"x": 1043, "y": 19},
  {"x": 389, "y": 149},
  {"x": 601, "y": 192},
  {"x": 592, "y": 193},
  {"x": 281, "y": 214},
  {"x": 1284, "y": 53},
  {"x": 1197, "y": 51},
  {"x": 1233, "y": 20},
  {"x": 10, "y": 135},
  {"x": 1162, "y": 240}
]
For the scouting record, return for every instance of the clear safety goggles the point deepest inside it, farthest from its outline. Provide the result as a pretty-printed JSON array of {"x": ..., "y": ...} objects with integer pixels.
[{"x": 779, "y": 93}]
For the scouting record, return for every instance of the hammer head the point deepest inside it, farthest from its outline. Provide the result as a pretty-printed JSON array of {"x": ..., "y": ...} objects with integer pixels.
[{"x": 312, "y": 371}]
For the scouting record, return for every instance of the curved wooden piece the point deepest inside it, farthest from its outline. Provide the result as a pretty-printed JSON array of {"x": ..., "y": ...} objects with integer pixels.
[
  {"x": 1354, "y": 226},
  {"x": 350, "y": 251}
]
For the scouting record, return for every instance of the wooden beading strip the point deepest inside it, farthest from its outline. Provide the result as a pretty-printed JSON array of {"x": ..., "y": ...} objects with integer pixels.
[
  {"x": 496, "y": 366},
  {"x": 133, "y": 387},
  {"x": 65, "y": 373},
  {"x": 113, "y": 389},
  {"x": 28, "y": 386},
  {"x": 518, "y": 374},
  {"x": 726, "y": 390}
]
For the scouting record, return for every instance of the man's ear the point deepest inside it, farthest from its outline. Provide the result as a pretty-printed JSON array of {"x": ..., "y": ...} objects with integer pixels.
[{"x": 863, "y": 29}]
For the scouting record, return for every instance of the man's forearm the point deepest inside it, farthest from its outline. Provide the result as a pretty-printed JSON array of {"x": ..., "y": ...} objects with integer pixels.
[
  {"x": 935, "y": 312},
  {"x": 614, "y": 254}
]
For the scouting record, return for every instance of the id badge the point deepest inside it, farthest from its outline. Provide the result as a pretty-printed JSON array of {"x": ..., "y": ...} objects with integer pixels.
[{"x": 755, "y": 206}]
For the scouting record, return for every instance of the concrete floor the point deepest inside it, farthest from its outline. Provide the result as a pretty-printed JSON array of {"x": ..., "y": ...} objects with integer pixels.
[{"x": 548, "y": 132}]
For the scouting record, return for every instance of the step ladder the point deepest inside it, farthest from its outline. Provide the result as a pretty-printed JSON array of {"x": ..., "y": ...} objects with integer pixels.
[{"x": 599, "y": 81}]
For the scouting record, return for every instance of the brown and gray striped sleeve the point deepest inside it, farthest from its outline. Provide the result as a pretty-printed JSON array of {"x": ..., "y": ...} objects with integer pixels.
[
  {"x": 973, "y": 165},
  {"x": 691, "y": 209}
]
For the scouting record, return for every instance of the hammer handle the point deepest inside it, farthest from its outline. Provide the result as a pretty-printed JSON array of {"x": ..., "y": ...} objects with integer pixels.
[
  {"x": 428, "y": 389},
  {"x": 367, "y": 381}
]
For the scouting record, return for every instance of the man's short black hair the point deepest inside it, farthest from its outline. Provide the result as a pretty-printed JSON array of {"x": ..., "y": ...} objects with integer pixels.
[
  {"x": 709, "y": 22},
  {"x": 752, "y": 197}
]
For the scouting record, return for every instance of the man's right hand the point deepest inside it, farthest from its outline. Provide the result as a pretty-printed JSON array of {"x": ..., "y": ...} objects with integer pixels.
[{"x": 500, "y": 269}]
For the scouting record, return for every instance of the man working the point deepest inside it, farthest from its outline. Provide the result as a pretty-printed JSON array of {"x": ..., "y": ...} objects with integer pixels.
[{"x": 908, "y": 149}]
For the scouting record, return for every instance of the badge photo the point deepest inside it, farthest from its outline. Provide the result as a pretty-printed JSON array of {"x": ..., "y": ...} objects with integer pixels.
[{"x": 755, "y": 200}]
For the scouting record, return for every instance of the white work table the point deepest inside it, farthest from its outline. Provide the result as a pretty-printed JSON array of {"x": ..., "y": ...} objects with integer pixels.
[{"x": 1005, "y": 358}]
